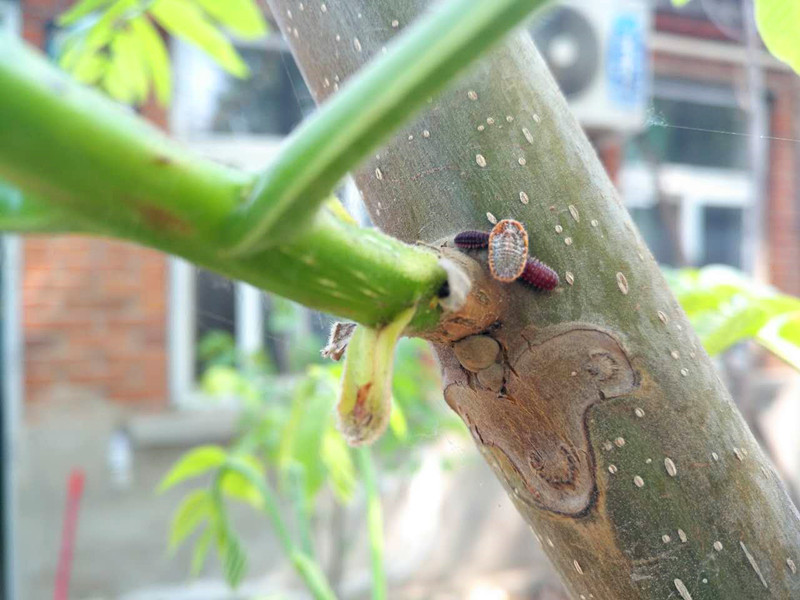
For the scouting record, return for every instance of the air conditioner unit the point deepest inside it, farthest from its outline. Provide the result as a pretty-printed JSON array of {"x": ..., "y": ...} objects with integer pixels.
[
  {"x": 598, "y": 52},
  {"x": 9, "y": 17}
]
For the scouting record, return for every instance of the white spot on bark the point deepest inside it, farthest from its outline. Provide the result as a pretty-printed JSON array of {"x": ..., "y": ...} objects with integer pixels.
[
  {"x": 523, "y": 197},
  {"x": 685, "y": 372},
  {"x": 472, "y": 95},
  {"x": 663, "y": 317},
  {"x": 559, "y": 229},
  {"x": 569, "y": 277},
  {"x": 612, "y": 469},
  {"x": 550, "y": 543},
  {"x": 620, "y": 442},
  {"x": 669, "y": 465},
  {"x": 753, "y": 564},
  {"x": 638, "y": 412},
  {"x": 738, "y": 454},
  {"x": 648, "y": 461},
  {"x": 666, "y": 539},
  {"x": 521, "y": 160},
  {"x": 395, "y": 24},
  {"x": 509, "y": 118},
  {"x": 289, "y": 13},
  {"x": 528, "y": 135},
  {"x": 357, "y": 44},
  {"x": 622, "y": 283},
  {"x": 679, "y": 585},
  {"x": 715, "y": 456},
  {"x": 675, "y": 354},
  {"x": 568, "y": 241},
  {"x": 323, "y": 7},
  {"x": 574, "y": 212},
  {"x": 682, "y": 536},
  {"x": 607, "y": 446},
  {"x": 791, "y": 565},
  {"x": 378, "y": 174},
  {"x": 481, "y": 127},
  {"x": 481, "y": 160},
  {"x": 718, "y": 546},
  {"x": 537, "y": 118},
  {"x": 595, "y": 222},
  {"x": 426, "y": 133},
  {"x": 577, "y": 566},
  {"x": 491, "y": 217},
  {"x": 338, "y": 38},
  {"x": 638, "y": 481}
]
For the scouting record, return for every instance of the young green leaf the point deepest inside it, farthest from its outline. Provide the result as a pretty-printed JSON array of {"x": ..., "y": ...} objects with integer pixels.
[
  {"x": 201, "y": 550},
  {"x": 364, "y": 404},
  {"x": 156, "y": 57},
  {"x": 781, "y": 336},
  {"x": 233, "y": 559},
  {"x": 239, "y": 487},
  {"x": 191, "y": 513},
  {"x": 336, "y": 457},
  {"x": 195, "y": 462},
  {"x": 184, "y": 19},
  {"x": 243, "y": 18},
  {"x": 779, "y": 24},
  {"x": 129, "y": 56}
]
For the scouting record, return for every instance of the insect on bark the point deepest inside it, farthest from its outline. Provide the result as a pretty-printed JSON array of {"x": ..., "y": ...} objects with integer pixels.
[
  {"x": 472, "y": 240},
  {"x": 539, "y": 275},
  {"x": 508, "y": 250}
]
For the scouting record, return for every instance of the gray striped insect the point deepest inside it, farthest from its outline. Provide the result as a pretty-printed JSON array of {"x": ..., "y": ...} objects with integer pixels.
[{"x": 508, "y": 250}]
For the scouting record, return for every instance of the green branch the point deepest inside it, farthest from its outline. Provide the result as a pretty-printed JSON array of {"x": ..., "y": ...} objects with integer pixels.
[
  {"x": 122, "y": 178},
  {"x": 115, "y": 176},
  {"x": 24, "y": 214},
  {"x": 373, "y": 105}
]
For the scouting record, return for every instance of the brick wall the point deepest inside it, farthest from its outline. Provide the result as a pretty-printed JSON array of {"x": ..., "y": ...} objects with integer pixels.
[
  {"x": 94, "y": 318},
  {"x": 94, "y": 310},
  {"x": 783, "y": 213}
]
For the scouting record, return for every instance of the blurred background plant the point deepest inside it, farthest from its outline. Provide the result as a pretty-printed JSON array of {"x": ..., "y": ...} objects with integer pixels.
[
  {"x": 288, "y": 440},
  {"x": 116, "y": 46},
  {"x": 726, "y": 308}
]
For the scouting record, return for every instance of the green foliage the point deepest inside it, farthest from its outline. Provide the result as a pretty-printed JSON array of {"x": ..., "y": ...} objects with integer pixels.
[
  {"x": 779, "y": 24},
  {"x": 196, "y": 462},
  {"x": 726, "y": 307},
  {"x": 289, "y": 424},
  {"x": 115, "y": 44}
]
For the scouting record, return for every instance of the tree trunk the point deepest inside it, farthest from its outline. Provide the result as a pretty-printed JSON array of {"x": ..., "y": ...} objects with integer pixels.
[{"x": 607, "y": 425}]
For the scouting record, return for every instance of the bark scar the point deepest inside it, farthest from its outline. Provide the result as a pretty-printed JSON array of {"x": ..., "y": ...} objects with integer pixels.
[{"x": 535, "y": 434}]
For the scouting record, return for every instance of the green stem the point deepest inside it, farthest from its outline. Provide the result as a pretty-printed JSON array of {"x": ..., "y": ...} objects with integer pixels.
[
  {"x": 297, "y": 486},
  {"x": 97, "y": 163},
  {"x": 308, "y": 570},
  {"x": 373, "y": 105},
  {"x": 25, "y": 214},
  {"x": 374, "y": 523}
]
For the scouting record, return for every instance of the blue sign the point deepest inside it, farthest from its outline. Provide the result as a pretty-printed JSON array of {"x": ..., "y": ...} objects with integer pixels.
[{"x": 626, "y": 62}]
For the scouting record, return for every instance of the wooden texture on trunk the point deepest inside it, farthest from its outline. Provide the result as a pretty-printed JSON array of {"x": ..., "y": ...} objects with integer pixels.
[{"x": 602, "y": 415}]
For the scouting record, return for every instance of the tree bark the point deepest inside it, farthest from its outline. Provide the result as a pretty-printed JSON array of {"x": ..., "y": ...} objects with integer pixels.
[{"x": 608, "y": 426}]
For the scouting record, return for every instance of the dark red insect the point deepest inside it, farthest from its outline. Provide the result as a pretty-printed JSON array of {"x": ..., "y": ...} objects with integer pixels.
[
  {"x": 539, "y": 275},
  {"x": 472, "y": 240}
]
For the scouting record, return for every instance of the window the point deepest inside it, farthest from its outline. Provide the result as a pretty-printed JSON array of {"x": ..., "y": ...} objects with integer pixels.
[{"x": 685, "y": 177}]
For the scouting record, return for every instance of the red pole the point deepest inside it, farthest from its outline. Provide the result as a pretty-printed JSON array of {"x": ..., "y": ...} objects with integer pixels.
[{"x": 74, "y": 493}]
